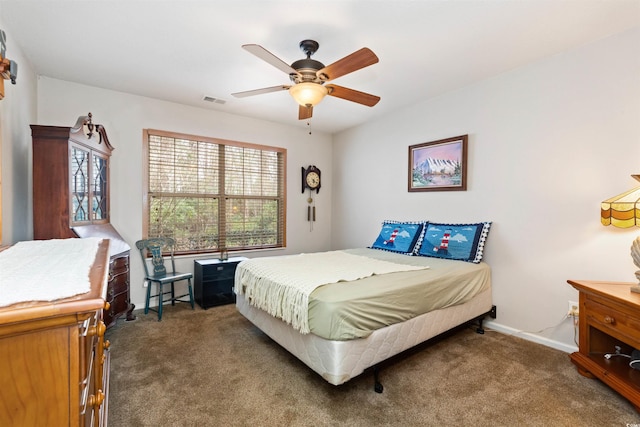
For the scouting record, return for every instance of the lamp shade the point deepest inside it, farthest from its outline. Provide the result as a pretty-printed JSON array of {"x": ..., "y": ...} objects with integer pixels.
[
  {"x": 308, "y": 93},
  {"x": 622, "y": 210}
]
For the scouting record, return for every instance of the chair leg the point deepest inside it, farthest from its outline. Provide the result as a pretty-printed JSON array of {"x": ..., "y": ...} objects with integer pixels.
[
  {"x": 146, "y": 303},
  {"x": 193, "y": 306},
  {"x": 160, "y": 302},
  {"x": 173, "y": 293}
]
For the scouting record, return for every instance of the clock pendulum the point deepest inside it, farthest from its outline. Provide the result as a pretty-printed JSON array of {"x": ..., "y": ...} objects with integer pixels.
[{"x": 311, "y": 212}]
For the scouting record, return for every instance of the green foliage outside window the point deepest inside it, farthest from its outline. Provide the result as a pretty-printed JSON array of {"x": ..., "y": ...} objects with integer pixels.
[{"x": 212, "y": 195}]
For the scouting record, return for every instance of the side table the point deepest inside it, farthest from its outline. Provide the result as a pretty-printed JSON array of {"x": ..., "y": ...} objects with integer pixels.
[
  {"x": 213, "y": 281},
  {"x": 609, "y": 323}
]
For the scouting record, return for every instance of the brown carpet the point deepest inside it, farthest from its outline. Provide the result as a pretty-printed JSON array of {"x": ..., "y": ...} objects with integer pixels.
[{"x": 214, "y": 368}]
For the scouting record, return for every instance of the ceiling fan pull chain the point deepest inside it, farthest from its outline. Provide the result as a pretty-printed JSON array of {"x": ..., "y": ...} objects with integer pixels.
[{"x": 309, "y": 125}]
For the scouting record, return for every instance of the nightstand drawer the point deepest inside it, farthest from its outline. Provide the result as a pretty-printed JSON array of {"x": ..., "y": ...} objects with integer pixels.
[
  {"x": 616, "y": 322},
  {"x": 219, "y": 272}
]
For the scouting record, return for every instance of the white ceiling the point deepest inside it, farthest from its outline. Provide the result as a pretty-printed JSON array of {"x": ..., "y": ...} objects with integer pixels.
[{"x": 183, "y": 50}]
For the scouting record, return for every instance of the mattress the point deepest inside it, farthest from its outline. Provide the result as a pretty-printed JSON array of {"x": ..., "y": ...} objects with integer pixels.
[
  {"x": 352, "y": 310},
  {"x": 339, "y": 361}
]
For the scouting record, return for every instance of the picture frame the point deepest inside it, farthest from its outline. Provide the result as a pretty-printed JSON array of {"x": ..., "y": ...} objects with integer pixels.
[{"x": 439, "y": 165}]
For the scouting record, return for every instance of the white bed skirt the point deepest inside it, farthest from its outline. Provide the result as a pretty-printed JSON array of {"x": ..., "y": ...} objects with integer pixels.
[{"x": 339, "y": 361}]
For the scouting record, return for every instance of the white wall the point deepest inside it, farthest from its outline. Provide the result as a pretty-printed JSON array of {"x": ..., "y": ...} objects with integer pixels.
[
  {"x": 124, "y": 116},
  {"x": 547, "y": 144},
  {"x": 17, "y": 112}
]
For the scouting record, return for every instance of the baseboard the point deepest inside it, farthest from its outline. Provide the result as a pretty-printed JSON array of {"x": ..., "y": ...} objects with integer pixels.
[{"x": 491, "y": 324}]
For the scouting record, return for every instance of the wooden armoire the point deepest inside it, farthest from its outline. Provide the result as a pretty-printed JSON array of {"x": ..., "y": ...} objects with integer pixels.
[{"x": 71, "y": 199}]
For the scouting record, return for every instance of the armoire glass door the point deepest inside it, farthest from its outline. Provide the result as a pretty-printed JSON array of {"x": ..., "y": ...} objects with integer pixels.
[
  {"x": 79, "y": 191},
  {"x": 99, "y": 188}
]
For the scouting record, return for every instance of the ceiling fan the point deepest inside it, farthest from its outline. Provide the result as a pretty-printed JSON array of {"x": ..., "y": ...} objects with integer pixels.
[{"x": 309, "y": 77}]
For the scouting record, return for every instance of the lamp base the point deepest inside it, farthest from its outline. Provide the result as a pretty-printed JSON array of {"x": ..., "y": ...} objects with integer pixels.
[{"x": 635, "y": 288}]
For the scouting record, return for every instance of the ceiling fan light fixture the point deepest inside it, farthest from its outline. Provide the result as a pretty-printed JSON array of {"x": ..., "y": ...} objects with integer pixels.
[{"x": 308, "y": 93}]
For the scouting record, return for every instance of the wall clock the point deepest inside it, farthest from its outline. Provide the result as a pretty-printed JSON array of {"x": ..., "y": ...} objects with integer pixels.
[{"x": 311, "y": 178}]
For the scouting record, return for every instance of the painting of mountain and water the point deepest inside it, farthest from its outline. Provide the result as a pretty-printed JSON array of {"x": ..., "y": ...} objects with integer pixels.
[{"x": 438, "y": 165}]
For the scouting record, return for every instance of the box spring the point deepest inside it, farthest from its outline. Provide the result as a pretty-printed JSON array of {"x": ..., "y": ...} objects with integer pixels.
[{"x": 339, "y": 361}]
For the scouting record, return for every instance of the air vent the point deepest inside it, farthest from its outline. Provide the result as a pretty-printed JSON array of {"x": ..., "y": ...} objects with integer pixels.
[{"x": 214, "y": 100}]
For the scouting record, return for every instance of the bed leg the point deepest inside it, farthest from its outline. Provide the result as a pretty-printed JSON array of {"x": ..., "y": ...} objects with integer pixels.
[
  {"x": 480, "y": 329},
  {"x": 492, "y": 313},
  {"x": 377, "y": 385}
]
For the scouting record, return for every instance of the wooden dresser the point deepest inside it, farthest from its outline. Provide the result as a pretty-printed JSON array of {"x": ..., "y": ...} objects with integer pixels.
[
  {"x": 609, "y": 319},
  {"x": 71, "y": 198},
  {"x": 118, "y": 285},
  {"x": 54, "y": 360}
]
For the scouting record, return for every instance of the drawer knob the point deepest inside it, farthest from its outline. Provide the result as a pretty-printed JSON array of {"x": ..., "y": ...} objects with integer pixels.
[
  {"x": 98, "y": 329},
  {"x": 102, "y": 328},
  {"x": 609, "y": 320},
  {"x": 97, "y": 399}
]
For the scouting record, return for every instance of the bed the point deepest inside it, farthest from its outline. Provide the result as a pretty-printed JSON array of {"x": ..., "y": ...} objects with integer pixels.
[{"x": 374, "y": 305}]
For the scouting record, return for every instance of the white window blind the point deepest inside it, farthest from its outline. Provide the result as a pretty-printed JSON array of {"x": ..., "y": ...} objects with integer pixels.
[{"x": 211, "y": 194}]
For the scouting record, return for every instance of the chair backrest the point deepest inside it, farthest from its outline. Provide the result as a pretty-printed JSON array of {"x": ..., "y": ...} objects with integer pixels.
[{"x": 155, "y": 246}]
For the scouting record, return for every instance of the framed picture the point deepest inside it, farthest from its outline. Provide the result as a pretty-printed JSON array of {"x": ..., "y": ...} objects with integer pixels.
[{"x": 439, "y": 165}]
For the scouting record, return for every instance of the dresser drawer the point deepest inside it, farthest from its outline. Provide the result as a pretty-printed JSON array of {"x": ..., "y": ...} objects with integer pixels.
[
  {"x": 118, "y": 267},
  {"x": 118, "y": 284},
  {"x": 119, "y": 303},
  {"x": 616, "y": 322},
  {"x": 91, "y": 368},
  {"x": 120, "y": 264},
  {"x": 118, "y": 289}
]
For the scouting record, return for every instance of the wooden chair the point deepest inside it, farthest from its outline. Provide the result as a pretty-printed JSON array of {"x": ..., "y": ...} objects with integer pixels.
[{"x": 159, "y": 275}]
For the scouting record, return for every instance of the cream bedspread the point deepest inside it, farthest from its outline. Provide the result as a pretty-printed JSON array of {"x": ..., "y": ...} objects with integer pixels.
[
  {"x": 38, "y": 270},
  {"x": 281, "y": 285}
]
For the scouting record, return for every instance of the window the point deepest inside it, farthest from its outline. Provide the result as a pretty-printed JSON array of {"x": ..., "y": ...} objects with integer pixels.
[{"x": 212, "y": 194}]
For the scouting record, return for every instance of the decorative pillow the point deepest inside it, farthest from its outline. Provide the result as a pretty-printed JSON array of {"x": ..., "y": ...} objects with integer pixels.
[
  {"x": 401, "y": 237},
  {"x": 464, "y": 242}
]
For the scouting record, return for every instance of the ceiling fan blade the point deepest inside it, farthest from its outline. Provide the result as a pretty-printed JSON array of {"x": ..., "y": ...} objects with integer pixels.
[
  {"x": 350, "y": 63},
  {"x": 353, "y": 95},
  {"x": 269, "y": 57},
  {"x": 305, "y": 112},
  {"x": 260, "y": 91}
]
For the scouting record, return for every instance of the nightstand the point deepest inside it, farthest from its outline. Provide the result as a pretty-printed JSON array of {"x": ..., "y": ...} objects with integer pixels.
[
  {"x": 609, "y": 318},
  {"x": 213, "y": 281}
]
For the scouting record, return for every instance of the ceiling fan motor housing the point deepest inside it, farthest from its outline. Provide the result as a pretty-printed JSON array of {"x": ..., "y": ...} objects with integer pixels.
[{"x": 307, "y": 67}]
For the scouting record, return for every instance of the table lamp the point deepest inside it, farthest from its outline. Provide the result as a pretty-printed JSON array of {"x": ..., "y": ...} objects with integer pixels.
[{"x": 623, "y": 211}]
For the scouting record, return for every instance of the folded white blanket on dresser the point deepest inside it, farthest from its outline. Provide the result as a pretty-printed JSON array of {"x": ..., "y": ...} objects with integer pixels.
[
  {"x": 281, "y": 285},
  {"x": 46, "y": 270}
]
